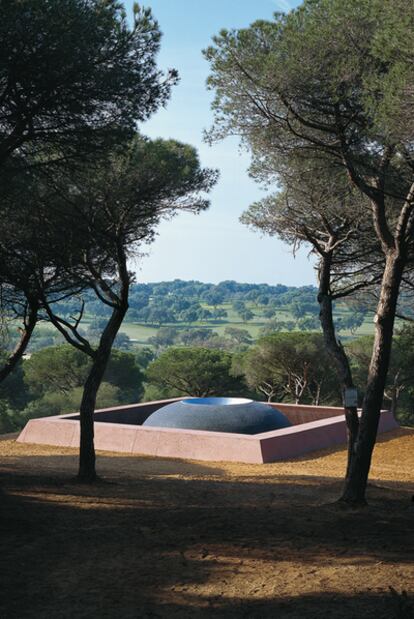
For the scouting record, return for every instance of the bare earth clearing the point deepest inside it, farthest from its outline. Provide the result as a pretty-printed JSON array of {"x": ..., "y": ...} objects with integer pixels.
[{"x": 181, "y": 539}]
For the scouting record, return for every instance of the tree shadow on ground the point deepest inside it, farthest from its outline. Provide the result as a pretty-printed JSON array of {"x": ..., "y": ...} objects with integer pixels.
[
  {"x": 161, "y": 546},
  {"x": 387, "y": 605}
]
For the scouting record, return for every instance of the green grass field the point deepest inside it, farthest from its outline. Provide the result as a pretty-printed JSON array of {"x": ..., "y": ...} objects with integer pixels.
[{"x": 140, "y": 333}]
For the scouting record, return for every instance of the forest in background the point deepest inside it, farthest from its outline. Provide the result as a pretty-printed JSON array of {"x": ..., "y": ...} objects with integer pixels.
[
  {"x": 162, "y": 313},
  {"x": 194, "y": 338}
]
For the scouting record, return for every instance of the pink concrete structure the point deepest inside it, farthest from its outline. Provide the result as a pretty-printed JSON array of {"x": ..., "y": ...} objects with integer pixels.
[{"x": 120, "y": 429}]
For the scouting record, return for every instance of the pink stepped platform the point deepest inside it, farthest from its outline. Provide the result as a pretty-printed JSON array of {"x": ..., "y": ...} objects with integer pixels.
[{"x": 119, "y": 429}]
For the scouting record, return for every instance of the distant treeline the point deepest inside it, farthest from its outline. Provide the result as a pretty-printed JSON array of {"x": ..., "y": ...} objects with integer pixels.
[
  {"x": 191, "y": 301},
  {"x": 179, "y": 300}
]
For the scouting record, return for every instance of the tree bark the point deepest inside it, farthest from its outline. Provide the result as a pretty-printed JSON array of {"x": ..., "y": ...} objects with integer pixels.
[
  {"x": 356, "y": 482},
  {"x": 337, "y": 352},
  {"x": 87, "y": 459},
  {"x": 18, "y": 352},
  {"x": 317, "y": 397}
]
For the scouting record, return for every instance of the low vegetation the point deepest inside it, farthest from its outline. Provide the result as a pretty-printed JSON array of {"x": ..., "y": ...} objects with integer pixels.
[{"x": 288, "y": 367}]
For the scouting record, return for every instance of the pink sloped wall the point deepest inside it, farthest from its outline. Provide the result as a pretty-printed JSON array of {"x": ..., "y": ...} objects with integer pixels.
[
  {"x": 48, "y": 431},
  {"x": 302, "y": 413},
  {"x": 197, "y": 445},
  {"x": 177, "y": 443},
  {"x": 298, "y": 440},
  {"x": 200, "y": 445}
]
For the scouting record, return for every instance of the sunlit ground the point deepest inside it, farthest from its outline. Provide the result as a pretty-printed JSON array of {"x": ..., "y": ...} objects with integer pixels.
[{"x": 184, "y": 539}]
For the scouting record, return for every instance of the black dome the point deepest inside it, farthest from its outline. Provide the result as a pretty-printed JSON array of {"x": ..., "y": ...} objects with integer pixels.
[{"x": 236, "y": 415}]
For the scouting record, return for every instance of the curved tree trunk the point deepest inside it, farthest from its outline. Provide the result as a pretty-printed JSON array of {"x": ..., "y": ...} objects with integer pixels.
[
  {"x": 87, "y": 470},
  {"x": 355, "y": 486},
  {"x": 18, "y": 352},
  {"x": 337, "y": 352}
]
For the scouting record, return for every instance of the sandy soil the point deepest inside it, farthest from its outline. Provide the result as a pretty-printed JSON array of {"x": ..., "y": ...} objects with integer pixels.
[{"x": 183, "y": 539}]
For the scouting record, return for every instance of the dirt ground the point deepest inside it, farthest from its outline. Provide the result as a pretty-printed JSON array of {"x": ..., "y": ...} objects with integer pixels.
[{"x": 183, "y": 539}]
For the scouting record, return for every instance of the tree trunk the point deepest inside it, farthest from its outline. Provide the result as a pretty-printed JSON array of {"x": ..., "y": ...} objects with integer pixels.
[
  {"x": 317, "y": 398},
  {"x": 337, "y": 352},
  {"x": 394, "y": 402},
  {"x": 355, "y": 485},
  {"x": 18, "y": 352},
  {"x": 395, "y": 394},
  {"x": 87, "y": 469}
]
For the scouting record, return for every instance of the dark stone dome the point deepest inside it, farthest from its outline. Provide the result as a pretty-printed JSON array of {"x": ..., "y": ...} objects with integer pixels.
[{"x": 236, "y": 415}]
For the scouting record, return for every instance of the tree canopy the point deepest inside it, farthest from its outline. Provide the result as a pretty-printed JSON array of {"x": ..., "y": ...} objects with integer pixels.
[
  {"x": 329, "y": 83},
  {"x": 198, "y": 372},
  {"x": 63, "y": 368},
  {"x": 110, "y": 210},
  {"x": 74, "y": 75},
  {"x": 289, "y": 366}
]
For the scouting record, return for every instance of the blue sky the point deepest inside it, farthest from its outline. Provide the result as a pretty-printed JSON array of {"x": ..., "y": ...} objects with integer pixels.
[{"x": 212, "y": 246}]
